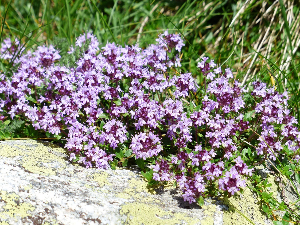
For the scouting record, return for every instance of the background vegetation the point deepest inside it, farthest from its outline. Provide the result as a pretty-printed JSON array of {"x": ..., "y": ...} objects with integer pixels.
[{"x": 257, "y": 39}]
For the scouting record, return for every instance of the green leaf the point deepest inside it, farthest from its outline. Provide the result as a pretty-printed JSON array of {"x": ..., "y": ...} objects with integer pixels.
[
  {"x": 293, "y": 167},
  {"x": 266, "y": 196},
  {"x": 148, "y": 175},
  {"x": 6, "y": 122},
  {"x": 268, "y": 185},
  {"x": 77, "y": 159},
  {"x": 249, "y": 115},
  {"x": 102, "y": 124},
  {"x": 266, "y": 209},
  {"x": 48, "y": 135},
  {"x": 128, "y": 153},
  {"x": 234, "y": 138},
  {"x": 114, "y": 164},
  {"x": 297, "y": 177},
  {"x": 200, "y": 201},
  {"x": 140, "y": 163},
  {"x": 286, "y": 171},
  {"x": 282, "y": 206},
  {"x": 29, "y": 98},
  {"x": 197, "y": 107},
  {"x": 125, "y": 114},
  {"x": 103, "y": 116},
  {"x": 58, "y": 137},
  {"x": 192, "y": 107},
  {"x": 118, "y": 102},
  {"x": 120, "y": 154},
  {"x": 246, "y": 151},
  {"x": 286, "y": 217},
  {"x": 280, "y": 223},
  {"x": 125, "y": 163}
]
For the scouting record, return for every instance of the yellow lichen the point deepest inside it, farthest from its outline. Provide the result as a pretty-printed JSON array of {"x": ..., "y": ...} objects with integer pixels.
[
  {"x": 101, "y": 178},
  {"x": 243, "y": 209},
  {"x": 124, "y": 195},
  {"x": 28, "y": 187},
  {"x": 138, "y": 190},
  {"x": 141, "y": 213},
  {"x": 210, "y": 210},
  {"x": 13, "y": 207},
  {"x": 37, "y": 159},
  {"x": 169, "y": 186},
  {"x": 4, "y": 223}
]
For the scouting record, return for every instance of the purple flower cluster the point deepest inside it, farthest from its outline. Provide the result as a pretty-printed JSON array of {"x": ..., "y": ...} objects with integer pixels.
[
  {"x": 145, "y": 145},
  {"x": 10, "y": 50},
  {"x": 131, "y": 99},
  {"x": 220, "y": 119},
  {"x": 277, "y": 124}
]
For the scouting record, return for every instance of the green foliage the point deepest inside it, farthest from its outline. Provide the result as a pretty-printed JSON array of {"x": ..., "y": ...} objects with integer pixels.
[
  {"x": 9, "y": 128},
  {"x": 200, "y": 201}
]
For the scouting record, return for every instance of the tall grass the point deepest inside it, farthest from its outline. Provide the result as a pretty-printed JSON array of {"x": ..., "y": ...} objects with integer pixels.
[{"x": 258, "y": 39}]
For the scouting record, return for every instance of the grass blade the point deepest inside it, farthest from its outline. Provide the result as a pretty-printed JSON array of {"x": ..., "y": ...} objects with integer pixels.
[{"x": 104, "y": 22}]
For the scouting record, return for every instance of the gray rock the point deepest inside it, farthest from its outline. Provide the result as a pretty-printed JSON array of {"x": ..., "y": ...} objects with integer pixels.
[{"x": 38, "y": 185}]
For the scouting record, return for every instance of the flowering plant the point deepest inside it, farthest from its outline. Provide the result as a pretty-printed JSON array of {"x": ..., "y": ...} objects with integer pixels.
[{"x": 120, "y": 104}]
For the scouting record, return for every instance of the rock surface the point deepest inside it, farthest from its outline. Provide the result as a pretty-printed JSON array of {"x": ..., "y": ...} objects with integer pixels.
[{"x": 38, "y": 185}]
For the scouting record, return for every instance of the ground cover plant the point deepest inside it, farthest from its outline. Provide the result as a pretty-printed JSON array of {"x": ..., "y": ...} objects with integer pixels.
[{"x": 177, "y": 114}]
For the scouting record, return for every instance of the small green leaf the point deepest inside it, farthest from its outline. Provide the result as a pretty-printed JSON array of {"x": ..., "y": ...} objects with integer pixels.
[
  {"x": 58, "y": 137},
  {"x": 140, "y": 163},
  {"x": 128, "y": 153},
  {"x": 293, "y": 167},
  {"x": 118, "y": 102},
  {"x": 266, "y": 209},
  {"x": 266, "y": 195},
  {"x": 103, "y": 116},
  {"x": 200, "y": 135},
  {"x": 125, "y": 163},
  {"x": 102, "y": 124},
  {"x": 197, "y": 107},
  {"x": 268, "y": 185},
  {"x": 234, "y": 138},
  {"x": 120, "y": 154},
  {"x": 48, "y": 135},
  {"x": 200, "y": 201},
  {"x": 249, "y": 115},
  {"x": 76, "y": 160},
  {"x": 148, "y": 175},
  {"x": 282, "y": 206},
  {"x": 114, "y": 164},
  {"x": 297, "y": 177},
  {"x": 286, "y": 217},
  {"x": 280, "y": 223},
  {"x": 29, "y": 98},
  {"x": 192, "y": 107}
]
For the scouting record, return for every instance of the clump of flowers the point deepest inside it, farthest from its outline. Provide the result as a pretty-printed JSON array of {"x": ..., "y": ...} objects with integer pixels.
[{"x": 136, "y": 102}]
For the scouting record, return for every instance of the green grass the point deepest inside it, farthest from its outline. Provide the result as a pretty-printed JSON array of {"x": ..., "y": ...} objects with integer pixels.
[{"x": 257, "y": 39}]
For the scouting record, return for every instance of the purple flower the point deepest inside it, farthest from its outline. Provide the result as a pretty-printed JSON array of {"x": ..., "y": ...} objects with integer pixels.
[
  {"x": 232, "y": 182},
  {"x": 114, "y": 133},
  {"x": 145, "y": 145}
]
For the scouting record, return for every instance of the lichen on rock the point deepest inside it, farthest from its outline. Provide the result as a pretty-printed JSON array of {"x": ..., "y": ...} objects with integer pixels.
[{"x": 40, "y": 186}]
